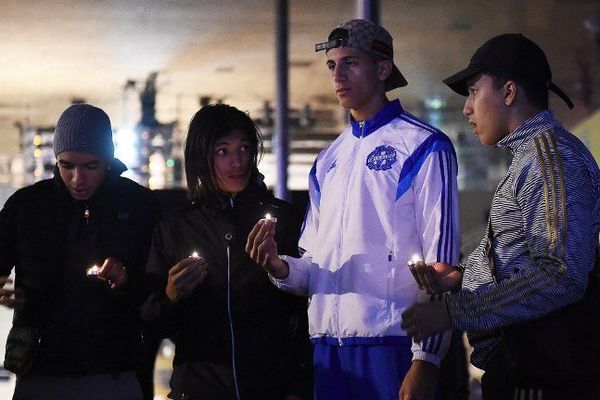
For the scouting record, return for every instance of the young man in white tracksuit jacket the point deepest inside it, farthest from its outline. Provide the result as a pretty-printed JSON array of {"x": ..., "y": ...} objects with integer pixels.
[{"x": 383, "y": 192}]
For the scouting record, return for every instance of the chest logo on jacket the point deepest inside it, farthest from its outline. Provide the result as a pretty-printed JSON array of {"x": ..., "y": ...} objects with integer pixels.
[
  {"x": 123, "y": 216},
  {"x": 382, "y": 158}
]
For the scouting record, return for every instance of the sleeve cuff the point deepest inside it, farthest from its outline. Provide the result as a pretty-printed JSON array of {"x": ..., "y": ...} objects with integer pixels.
[
  {"x": 284, "y": 282},
  {"x": 458, "y": 319},
  {"x": 427, "y": 357},
  {"x": 294, "y": 282}
]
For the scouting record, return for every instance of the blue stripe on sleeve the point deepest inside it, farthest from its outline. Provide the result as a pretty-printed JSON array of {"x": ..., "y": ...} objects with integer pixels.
[
  {"x": 450, "y": 214},
  {"x": 425, "y": 344},
  {"x": 305, "y": 217},
  {"x": 313, "y": 178},
  {"x": 412, "y": 166},
  {"x": 448, "y": 203},
  {"x": 443, "y": 222}
]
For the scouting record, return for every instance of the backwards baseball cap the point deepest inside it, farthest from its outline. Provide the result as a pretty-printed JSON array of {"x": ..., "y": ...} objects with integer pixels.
[
  {"x": 84, "y": 128},
  {"x": 369, "y": 37},
  {"x": 512, "y": 54}
]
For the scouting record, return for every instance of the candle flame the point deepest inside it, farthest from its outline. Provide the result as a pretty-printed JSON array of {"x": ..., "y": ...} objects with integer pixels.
[
  {"x": 270, "y": 218},
  {"x": 416, "y": 258},
  {"x": 195, "y": 254},
  {"x": 93, "y": 270}
]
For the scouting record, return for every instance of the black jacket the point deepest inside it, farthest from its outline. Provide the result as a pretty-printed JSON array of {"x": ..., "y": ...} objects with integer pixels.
[
  {"x": 71, "y": 324},
  {"x": 272, "y": 351}
]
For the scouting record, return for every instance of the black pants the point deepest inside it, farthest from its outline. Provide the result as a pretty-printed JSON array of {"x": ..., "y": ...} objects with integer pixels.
[
  {"x": 497, "y": 384},
  {"x": 121, "y": 386},
  {"x": 454, "y": 374},
  {"x": 145, "y": 369}
]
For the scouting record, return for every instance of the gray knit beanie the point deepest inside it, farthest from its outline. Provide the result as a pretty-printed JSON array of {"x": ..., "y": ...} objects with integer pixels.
[{"x": 84, "y": 128}]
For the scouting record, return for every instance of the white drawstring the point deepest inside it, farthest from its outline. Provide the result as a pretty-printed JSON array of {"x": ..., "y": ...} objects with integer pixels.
[{"x": 235, "y": 381}]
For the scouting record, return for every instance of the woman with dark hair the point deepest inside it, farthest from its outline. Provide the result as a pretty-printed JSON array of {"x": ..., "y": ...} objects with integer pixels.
[
  {"x": 237, "y": 336},
  {"x": 210, "y": 131}
]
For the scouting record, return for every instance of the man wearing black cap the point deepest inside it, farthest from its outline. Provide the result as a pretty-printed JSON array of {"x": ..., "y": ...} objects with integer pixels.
[
  {"x": 382, "y": 193},
  {"x": 529, "y": 297},
  {"x": 78, "y": 244}
]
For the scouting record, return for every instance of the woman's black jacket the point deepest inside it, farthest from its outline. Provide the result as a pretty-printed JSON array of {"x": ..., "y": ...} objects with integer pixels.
[{"x": 270, "y": 343}]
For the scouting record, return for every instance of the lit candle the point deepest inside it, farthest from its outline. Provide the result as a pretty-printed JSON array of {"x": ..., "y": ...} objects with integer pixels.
[
  {"x": 195, "y": 254},
  {"x": 414, "y": 259},
  {"x": 269, "y": 218},
  {"x": 94, "y": 270}
]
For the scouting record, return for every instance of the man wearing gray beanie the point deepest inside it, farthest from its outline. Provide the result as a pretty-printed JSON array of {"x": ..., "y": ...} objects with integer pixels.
[{"x": 78, "y": 244}]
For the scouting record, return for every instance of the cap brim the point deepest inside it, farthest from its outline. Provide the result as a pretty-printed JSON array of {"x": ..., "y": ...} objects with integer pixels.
[
  {"x": 395, "y": 80},
  {"x": 459, "y": 81}
]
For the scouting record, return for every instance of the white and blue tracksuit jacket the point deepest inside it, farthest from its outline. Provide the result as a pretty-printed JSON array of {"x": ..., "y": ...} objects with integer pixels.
[{"x": 382, "y": 192}]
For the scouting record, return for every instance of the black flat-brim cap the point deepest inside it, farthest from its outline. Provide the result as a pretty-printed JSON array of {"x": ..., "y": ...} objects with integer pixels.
[
  {"x": 510, "y": 53},
  {"x": 459, "y": 81}
]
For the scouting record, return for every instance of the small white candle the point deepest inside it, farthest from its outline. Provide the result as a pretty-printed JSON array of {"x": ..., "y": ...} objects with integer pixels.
[
  {"x": 414, "y": 259},
  {"x": 268, "y": 217},
  {"x": 92, "y": 271}
]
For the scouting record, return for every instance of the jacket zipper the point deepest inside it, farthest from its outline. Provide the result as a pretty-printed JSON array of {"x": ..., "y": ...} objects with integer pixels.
[
  {"x": 390, "y": 282},
  {"x": 354, "y": 152},
  {"x": 231, "y": 330},
  {"x": 228, "y": 237},
  {"x": 86, "y": 215}
]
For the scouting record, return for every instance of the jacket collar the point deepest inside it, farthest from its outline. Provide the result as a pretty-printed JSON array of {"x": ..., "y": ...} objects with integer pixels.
[
  {"x": 393, "y": 109},
  {"x": 256, "y": 191},
  {"x": 523, "y": 133}
]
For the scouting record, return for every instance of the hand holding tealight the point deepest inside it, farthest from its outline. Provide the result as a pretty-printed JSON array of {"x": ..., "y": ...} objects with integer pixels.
[
  {"x": 112, "y": 272},
  {"x": 262, "y": 247},
  {"x": 419, "y": 271},
  {"x": 434, "y": 279},
  {"x": 185, "y": 276}
]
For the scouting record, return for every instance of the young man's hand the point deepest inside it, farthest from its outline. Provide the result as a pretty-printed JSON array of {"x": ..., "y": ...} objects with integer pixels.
[
  {"x": 11, "y": 298},
  {"x": 437, "y": 278},
  {"x": 420, "y": 382},
  {"x": 262, "y": 249},
  {"x": 185, "y": 276},
  {"x": 422, "y": 320},
  {"x": 114, "y": 272}
]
